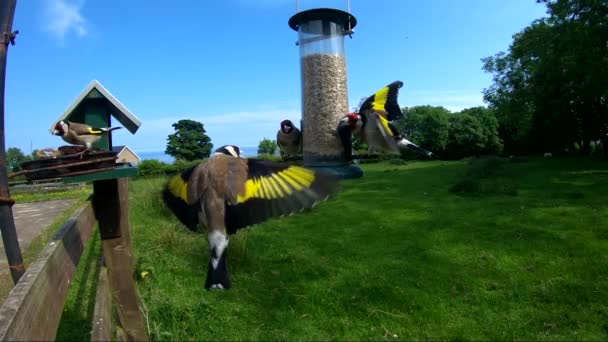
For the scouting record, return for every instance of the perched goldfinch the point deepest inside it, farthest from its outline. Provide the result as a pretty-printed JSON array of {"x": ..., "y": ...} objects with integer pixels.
[
  {"x": 289, "y": 139},
  {"x": 80, "y": 134},
  {"x": 228, "y": 192},
  {"x": 373, "y": 124}
]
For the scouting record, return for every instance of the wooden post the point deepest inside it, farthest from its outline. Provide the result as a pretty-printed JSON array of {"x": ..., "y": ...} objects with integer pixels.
[
  {"x": 110, "y": 202},
  {"x": 7, "y": 222}
]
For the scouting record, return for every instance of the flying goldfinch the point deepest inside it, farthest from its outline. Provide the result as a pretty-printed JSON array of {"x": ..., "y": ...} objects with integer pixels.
[
  {"x": 373, "y": 124},
  {"x": 229, "y": 192},
  {"x": 80, "y": 134},
  {"x": 289, "y": 139}
]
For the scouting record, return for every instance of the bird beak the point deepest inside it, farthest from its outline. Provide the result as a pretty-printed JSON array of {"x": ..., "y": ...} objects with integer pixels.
[
  {"x": 406, "y": 143},
  {"x": 55, "y": 132}
]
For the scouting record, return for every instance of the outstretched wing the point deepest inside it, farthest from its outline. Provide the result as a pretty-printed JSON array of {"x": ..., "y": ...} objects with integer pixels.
[
  {"x": 175, "y": 197},
  {"x": 276, "y": 189},
  {"x": 384, "y": 102}
]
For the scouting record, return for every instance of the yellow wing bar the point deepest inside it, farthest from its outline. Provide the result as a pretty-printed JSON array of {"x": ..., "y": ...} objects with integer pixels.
[
  {"x": 380, "y": 98},
  {"x": 277, "y": 185},
  {"x": 178, "y": 188},
  {"x": 384, "y": 123}
]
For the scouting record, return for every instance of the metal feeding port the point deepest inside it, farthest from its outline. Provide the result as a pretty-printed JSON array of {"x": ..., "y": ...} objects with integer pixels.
[{"x": 73, "y": 164}]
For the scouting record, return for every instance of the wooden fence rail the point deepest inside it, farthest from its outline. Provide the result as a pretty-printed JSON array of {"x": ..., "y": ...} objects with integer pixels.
[{"x": 34, "y": 306}]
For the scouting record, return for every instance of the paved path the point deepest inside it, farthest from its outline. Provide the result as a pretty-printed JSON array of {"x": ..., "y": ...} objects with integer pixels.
[{"x": 30, "y": 220}]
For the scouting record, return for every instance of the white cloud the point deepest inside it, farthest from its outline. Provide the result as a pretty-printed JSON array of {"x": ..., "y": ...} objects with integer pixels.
[{"x": 63, "y": 17}]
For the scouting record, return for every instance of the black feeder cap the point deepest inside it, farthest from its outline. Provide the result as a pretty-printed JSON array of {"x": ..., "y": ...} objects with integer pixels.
[{"x": 347, "y": 20}]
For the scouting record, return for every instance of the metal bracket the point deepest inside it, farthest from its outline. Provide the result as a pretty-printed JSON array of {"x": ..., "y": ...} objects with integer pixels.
[{"x": 9, "y": 37}]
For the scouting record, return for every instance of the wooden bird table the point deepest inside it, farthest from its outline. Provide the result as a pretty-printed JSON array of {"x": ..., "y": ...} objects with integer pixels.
[{"x": 111, "y": 208}]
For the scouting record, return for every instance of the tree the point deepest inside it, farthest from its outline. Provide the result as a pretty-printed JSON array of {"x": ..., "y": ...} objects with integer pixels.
[
  {"x": 426, "y": 126},
  {"x": 549, "y": 89},
  {"x": 489, "y": 126},
  {"x": 14, "y": 157},
  {"x": 465, "y": 136},
  {"x": 267, "y": 146},
  {"x": 189, "y": 142}
]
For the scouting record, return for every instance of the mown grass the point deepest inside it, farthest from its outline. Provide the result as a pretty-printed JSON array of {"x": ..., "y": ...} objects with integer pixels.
[
  {"x": 53, "y": 195},
  {"x": 398, "y": 255}
]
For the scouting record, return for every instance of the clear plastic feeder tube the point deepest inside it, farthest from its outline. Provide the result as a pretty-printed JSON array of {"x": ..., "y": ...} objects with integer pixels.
[{"x": 323, "y": 81}]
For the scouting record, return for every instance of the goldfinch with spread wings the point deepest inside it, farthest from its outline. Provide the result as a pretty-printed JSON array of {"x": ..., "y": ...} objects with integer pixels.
[
  {"x": 228, "y": 192},
  {"x": 80, "y": 134},
  {"x": 289, "y": 139},
  {"x": 373, "y": 124}
]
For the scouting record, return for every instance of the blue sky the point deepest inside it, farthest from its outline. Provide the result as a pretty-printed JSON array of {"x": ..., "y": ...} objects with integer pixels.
[{"x": 233, "y": 64}]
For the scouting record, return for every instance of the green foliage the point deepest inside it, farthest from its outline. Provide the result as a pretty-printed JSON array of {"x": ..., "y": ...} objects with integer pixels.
[
  {"x": 14, "y": 157},
  {"x": 359, "y": 147},
  {"x": 466, "y": 136},
  {"x": 189, "y": 142},
  {"x": 267, "y": 146},
  {"x": 180, "y": 165},
  {"x": 549, "y": 89},
  {"x": 492, "y": 143},
  {"x": 154, "y": 167},
  {"x": 426, "y": 126},
  {"x": 150, "y": 167}
]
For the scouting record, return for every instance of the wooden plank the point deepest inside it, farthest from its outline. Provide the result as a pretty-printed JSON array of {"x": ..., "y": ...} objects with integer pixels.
[
  {"x": 110, "y": 202},
  {"x": 102, "y": 315},
  {"x": 33, "y": 308}
]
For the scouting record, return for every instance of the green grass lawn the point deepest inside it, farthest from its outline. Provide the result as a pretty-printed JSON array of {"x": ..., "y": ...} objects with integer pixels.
[{"x": 520, "y": 254}]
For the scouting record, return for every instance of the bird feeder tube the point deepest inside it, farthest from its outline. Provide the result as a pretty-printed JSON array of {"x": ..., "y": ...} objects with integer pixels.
[{"x": 323, "y": 86}]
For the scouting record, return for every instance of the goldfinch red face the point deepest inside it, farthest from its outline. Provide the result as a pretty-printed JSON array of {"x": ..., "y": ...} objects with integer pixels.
[
  {"x": 354, "y": 121},
  {"x": 60, "y": 128}
]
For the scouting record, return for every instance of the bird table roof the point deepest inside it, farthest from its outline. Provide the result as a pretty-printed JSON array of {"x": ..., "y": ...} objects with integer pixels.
[{"x": 117, "y": 109}]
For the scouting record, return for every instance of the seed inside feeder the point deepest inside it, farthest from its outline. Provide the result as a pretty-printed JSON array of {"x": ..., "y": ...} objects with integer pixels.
[{"x": 324, "y": 102}]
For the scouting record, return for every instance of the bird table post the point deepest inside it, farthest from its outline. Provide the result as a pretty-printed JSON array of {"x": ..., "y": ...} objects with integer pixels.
[
  {"x": 94, "y": 107},
  {"x": 321, "y": 34},
  {"x": 110, "y": 203}
]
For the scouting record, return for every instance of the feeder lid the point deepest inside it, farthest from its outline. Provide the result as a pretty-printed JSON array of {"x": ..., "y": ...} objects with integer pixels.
[{"x": 347, "y": 20}]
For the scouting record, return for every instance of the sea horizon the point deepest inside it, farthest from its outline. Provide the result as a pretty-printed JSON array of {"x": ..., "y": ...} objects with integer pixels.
[{"x": 247, "y": 151}]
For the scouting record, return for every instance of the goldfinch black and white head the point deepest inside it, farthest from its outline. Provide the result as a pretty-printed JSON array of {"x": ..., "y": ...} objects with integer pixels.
[
  {"x": 227, "y": 193},
  {"x": 230, "y": 150}
]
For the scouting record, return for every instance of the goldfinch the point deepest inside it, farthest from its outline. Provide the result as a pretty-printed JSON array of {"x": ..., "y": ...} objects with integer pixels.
[
  {"x": 229, "y": 192},
  {"x": 373, "y": 124},
  {"x": 80, "y": 134},
  {"x": 289, "y": 139}
]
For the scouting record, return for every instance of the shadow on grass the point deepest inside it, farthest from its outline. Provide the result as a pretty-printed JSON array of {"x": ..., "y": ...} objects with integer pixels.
[{"x": 77, "y": 316}]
